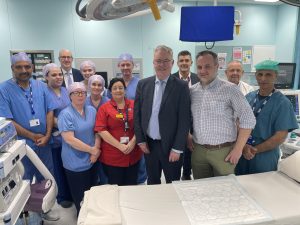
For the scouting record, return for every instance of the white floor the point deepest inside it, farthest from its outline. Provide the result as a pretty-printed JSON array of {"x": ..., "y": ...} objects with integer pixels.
[{"x": 67, "y": 216}]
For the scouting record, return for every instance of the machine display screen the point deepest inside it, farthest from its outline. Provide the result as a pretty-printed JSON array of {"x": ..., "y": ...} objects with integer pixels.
[{"x": 286, "y": 75}]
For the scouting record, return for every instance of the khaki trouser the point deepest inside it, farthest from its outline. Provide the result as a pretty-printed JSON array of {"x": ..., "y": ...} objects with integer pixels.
[{"x": 211, "y": 162}]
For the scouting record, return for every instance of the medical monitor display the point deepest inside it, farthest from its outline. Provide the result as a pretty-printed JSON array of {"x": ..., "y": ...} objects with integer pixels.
[
  {"x": 286, "y": 75},
  {"x": 294, "y": 99}
]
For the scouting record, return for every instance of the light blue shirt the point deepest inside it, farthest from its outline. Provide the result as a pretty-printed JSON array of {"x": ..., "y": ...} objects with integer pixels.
[
  {"x": 88, "y": 101},
  {"x": 14, "y": 105},
  {"x": 153, "y": 128},
  {"x": 83, "y": 127}
]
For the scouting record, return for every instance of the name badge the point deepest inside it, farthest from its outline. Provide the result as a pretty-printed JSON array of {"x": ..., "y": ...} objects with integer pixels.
[
  {"x": 119, "y": 116},
  {"x": 34, "y": 122},
  {"x": 124, "y": 140}
]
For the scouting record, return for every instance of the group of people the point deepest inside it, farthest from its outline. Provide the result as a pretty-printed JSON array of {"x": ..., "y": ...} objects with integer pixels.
[{"x": 199, "y": 124}]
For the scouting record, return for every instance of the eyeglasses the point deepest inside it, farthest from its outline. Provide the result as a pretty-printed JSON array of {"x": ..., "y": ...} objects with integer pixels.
[
  {"x": 66, "y": 57},
  {"x": 26, "y": 67},
  {"x": 159, "y": 61},
  {"x": 79, "y": 93}
]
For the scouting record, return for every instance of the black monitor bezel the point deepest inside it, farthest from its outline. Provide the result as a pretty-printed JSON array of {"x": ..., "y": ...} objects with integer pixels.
[{"x": 287, "y": 86}]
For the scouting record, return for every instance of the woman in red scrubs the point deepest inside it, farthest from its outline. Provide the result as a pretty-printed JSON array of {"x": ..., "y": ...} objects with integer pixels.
[{"x": 114, "y": 122}]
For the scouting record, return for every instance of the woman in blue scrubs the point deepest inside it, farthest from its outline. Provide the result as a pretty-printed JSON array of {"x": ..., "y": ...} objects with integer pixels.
[
  {"x": 80, "y": 145},
  {"x": 274, "y": 119},
  {"x": 61, "y": 100}
]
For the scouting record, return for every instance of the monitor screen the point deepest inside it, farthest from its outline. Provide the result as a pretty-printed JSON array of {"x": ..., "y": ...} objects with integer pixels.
[
  {"x": 286, "y": 75},
  {"x": 294, "y": 97}
]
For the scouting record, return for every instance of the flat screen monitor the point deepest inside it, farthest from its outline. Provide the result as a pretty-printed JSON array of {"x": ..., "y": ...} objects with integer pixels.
[
  {"x": 294, "y": 97},
  {"x": 286, "y": 76}
]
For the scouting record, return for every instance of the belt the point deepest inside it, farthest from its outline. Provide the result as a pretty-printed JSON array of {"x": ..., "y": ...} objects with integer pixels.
[{"x": 223, "y": 145}]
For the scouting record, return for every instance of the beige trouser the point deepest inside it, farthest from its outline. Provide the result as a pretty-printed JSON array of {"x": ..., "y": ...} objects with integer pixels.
[{"x": 211, "y": 162}]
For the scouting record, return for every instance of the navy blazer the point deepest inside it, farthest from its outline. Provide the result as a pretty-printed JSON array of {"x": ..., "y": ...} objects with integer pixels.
[
  {"x": 77, "y": 76},
  {"x": 194, "y": 77},
  {"x": 174, "y": 115}
]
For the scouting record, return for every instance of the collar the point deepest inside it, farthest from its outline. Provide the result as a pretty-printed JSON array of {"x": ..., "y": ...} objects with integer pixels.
[
  {"x": 181, "y": 77},
  {"x": 66, "y": 72},
  {"x": 211, "y": 84},
  {"x": 165, "y": 80},
  {"x": 112, "y": 101}
]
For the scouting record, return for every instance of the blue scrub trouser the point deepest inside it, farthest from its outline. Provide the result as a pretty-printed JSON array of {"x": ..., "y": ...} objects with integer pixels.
[
  {"x": 142, "y": 172},
  {"x": 44, "y": 153},
  {"x": 60, "y": 177},
  {"x": 262, "y": 162}
]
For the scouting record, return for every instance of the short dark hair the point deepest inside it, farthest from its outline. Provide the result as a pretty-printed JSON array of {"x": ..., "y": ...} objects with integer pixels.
[
  {"x": 184, "y": 53},
  {"x": 207, "y": 52},
  {"x": 115, "y": 80}
]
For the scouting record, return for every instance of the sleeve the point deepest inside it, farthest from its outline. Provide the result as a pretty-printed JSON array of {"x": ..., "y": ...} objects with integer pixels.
[
  {"x": 285, "y": 117},
  {"x": 5, "y": 110},
  {"x": 50, "y": 105},
  {"x": 65, "y": 122},
  {"x": 140, "y": 137},
  {"x": 242, "y": 109},
  {"x": 184, "y": 118},
  {"x": 101, "y": 123}
]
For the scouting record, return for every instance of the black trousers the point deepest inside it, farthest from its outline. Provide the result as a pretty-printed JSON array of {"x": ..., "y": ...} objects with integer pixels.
[
  {"x": 122, "y": 175},
  {"x": 187, "y": 165},
  {"x": 79, "y": 182},
  {"x": 157, "y": 161}
]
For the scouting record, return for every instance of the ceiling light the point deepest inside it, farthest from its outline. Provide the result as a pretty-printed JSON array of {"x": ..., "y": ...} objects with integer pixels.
[{"x": 266, "y": 0}]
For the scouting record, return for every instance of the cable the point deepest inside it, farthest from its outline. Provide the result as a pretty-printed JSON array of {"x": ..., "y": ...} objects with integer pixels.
[
  {"x": 82, "y": 12},
  {"x": 210, "y": 46}
]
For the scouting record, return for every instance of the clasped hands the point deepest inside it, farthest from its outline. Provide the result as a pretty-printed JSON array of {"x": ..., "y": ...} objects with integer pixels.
[
  {"x": 94, "y": 154},
  {"x": 127, "y": 148},
  {"x": 249, "y": 152}
]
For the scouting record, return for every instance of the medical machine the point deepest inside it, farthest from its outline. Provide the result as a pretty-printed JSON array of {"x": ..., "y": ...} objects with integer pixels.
[{"x": 14, "y": 191}]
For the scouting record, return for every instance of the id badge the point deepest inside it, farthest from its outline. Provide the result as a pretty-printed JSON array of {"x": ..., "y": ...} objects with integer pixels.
[
  {"x": 250, "y": 140},
  {"x": 119, "y": 116},
  {"x": 124, "y": 140},
  {"x": 34, "y": 122}
]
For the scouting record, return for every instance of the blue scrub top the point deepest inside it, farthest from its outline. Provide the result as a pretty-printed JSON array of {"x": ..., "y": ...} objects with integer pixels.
[
  {"x": 130, "y": 89},
  {"x": 277, "y": 115},
  {"x": 60, "y": 103},
  {"x": 14, "y": 105},
  {"x": 88, "y": 101},
  {"x": 83, "y": 127}
]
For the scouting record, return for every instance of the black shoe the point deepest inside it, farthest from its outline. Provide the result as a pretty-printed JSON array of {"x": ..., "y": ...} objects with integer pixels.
[
  {"x": 186, "y": 177},
  {"x": 66, "y": 204}
]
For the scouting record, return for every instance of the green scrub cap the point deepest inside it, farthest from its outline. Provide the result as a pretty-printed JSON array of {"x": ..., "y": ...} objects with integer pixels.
[{"x": 267, "y": 65}]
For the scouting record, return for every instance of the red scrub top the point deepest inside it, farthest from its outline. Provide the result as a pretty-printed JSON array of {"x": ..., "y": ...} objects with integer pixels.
[{"x": 106, "y": 121}]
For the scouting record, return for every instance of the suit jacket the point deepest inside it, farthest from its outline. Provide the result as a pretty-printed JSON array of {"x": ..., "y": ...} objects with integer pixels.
[
  {"x": 194, "y": 77},
  {"x": 77, "y": 76},
  {"x": 174, "y": 115}
]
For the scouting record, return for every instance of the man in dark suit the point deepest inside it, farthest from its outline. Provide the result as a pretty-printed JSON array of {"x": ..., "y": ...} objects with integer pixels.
[
  {"x": 162, "y": 118},
  {"x": 70, "y": 74},
  {"x": 184, "y": 63}
]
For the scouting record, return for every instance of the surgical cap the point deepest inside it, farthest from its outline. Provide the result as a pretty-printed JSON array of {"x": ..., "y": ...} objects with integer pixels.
[
  {"x": 94, "y": 78},
  {"x": 267, "y": 65},
  {"x": 88, "y": 63},
  {"x": 21, "y": 56},
  {"x": 76, "y": 86},
  {"x": 125, "y": 57},
  {"x": 48, "y": 67}
]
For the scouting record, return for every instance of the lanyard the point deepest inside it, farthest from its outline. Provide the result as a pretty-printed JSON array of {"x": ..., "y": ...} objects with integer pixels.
[
  {"x": 29, "y": 98},
  {"x": 256, "y": 112},
  {"x": 125, "y": 120}
]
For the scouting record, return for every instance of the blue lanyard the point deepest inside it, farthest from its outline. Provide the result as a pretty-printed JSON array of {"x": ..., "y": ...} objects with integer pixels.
[
  {"x": 256, "y": 112},
  {"x": 29, "y": 98}
]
